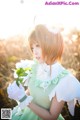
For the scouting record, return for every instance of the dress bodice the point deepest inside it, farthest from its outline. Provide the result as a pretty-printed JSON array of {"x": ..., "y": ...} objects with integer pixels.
[
  {"x": 43, "y": 87},
  {"x": 40, "y": 87}
]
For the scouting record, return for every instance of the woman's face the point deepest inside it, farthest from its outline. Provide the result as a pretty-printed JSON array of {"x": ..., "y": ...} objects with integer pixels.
[{"x": 37, "y": 52}]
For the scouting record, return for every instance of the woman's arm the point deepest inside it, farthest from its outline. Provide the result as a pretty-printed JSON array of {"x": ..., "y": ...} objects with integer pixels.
[{"x": 52, "y": 114}]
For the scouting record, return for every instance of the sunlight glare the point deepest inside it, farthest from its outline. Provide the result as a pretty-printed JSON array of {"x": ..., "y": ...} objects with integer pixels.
[{"x": 17, "y": 17}]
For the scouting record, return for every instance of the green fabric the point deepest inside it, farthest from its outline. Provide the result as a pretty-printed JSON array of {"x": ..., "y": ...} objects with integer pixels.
[
  {"x": 22, "y": 99},
  {"x": 53, "y": 81},
  {"x": 40, "y": 97}
]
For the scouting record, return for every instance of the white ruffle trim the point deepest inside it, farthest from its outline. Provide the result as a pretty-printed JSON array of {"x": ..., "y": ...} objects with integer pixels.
[{"x": 68, "y": 89}]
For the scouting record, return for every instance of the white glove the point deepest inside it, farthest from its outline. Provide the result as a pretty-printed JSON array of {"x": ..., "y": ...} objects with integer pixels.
[
  {"x": 15, "y": 92},
  {"x": 18, "y": 93}
]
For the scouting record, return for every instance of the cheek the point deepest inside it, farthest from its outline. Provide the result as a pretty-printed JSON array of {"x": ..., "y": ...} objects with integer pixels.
[
  {"x": 41, "y": 55},
  {"x": 40, "y": 52}
]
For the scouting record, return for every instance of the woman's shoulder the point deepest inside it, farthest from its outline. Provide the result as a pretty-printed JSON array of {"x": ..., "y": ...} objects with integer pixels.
[
  {"x": 67, "y": 84},
  {"x": 65, "y": 75},
  {"x": 58, "y": 70}
]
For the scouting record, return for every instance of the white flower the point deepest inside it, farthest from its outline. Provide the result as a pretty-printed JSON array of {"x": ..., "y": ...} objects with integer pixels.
[
  {"x": 15, "y": 75},
  {"x": 23, "y": 64},
  {"x": 23, "y": 71}
]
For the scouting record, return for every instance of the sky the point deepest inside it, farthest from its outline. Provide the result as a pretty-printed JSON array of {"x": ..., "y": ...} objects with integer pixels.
[{"x": 17, "y": 17}]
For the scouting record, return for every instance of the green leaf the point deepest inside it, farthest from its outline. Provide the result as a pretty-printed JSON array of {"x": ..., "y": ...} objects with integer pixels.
[
  {"x": 28, "y": 69},
  {"x": 17, "y": 82},
  {"x": 21, "y": 72}
]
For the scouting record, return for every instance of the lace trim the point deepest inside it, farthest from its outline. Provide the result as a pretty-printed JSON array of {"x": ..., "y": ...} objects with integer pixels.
[{"x": 46, "y": 84}]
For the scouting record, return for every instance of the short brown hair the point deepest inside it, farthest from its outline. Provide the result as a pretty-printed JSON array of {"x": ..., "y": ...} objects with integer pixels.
[{"x": 50, "y": 42}]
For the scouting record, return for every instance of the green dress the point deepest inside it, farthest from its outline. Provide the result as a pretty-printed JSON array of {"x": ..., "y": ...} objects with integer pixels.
[{"x": 40, "y": 97}]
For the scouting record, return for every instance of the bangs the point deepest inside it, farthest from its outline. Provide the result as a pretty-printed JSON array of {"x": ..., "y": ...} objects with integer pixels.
[{"x": 32, "y": 39}]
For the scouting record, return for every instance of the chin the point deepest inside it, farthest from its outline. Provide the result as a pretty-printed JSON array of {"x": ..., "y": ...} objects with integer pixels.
[{"x": 40, "y": 61}]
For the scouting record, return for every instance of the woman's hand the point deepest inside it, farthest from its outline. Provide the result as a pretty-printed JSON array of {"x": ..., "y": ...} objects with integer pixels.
[
  {"x": 18, "y": 93},
  {"x": 15, "y": 92}
]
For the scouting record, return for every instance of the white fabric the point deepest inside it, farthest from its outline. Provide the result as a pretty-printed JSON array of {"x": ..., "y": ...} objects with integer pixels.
[
  {"x": 43, "y": 71},
  {"x": 71, "y": 105},
  {"x": 26, "y": 102},
  {"x": 67, "y": 90},
  {"x": 17, "y": 93}
]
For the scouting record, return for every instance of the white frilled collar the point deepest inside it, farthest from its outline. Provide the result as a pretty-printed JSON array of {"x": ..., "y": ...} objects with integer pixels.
[
  {"x": 43, "y": 77},
  {"x": 43, "y": 71}
]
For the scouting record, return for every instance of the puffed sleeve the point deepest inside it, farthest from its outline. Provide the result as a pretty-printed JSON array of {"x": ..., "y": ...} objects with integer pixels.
[{"x": 67, "y": 90}]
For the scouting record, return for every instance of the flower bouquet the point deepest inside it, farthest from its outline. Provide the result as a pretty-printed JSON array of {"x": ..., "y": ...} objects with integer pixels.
[
  {"x": 16, "y": 90},
  {"x": 22, "y": 72}
]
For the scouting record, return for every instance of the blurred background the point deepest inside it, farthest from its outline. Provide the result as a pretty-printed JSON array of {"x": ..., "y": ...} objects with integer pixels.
[{"x": 17, "y": 18}]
